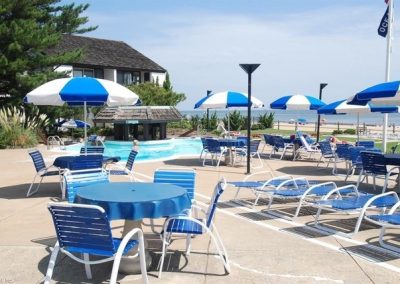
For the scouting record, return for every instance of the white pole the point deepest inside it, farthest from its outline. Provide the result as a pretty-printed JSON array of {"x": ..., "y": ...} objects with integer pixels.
[
  {"x": 85, "y": 130},
  {"x": 358, "y": 125},
  {"x": 387, "y": 74},
  {"x": 229, "y": 124}
]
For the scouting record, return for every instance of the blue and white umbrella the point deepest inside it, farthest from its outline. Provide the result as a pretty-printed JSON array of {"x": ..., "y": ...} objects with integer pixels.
[
  {"x": 84, "y": 91},
  {"x": 297, "y": 102},
  {"x": 382, "y": 94},
  {"x": 75, "y": 124},
  {"x": 342, "y": 107},
  {"x": 227, "y": 99}
]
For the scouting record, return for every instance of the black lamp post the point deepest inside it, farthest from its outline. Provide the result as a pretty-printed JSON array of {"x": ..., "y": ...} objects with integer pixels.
[
  {"x": 248, "y": 68},
  {"x": 208, "y": 112},
  {"x": 321, "y": 86}
]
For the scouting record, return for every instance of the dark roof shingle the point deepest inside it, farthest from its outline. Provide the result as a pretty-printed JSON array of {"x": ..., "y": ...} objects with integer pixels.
[{"x": 106, "y": 53}]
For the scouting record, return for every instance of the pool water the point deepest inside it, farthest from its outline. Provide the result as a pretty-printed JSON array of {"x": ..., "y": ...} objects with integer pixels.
[{"x": 151, "y": 150}]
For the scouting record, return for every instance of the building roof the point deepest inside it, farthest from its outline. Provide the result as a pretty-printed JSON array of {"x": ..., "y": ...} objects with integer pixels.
[
  {"x": 106, "y": 53},
  {"x": 138, "y": 114}
]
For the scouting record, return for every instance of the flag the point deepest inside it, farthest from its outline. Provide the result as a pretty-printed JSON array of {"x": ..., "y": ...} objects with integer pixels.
[{"x": 383, "y": 26}]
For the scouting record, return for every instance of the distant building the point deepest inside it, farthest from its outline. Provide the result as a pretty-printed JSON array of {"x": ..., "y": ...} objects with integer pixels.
[
  {"x": 140, "y": 123},
  {"x": 109, "y": 59}
]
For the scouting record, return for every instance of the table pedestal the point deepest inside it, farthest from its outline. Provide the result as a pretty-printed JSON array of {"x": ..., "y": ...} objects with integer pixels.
[{"x": 132, "y": 265}]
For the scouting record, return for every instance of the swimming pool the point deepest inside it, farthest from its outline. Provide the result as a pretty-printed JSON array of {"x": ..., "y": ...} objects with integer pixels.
[{"x": 159, "y": 150}]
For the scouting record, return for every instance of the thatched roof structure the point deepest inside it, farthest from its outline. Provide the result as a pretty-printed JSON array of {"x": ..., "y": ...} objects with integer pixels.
[{"x": 138, "y": 114}]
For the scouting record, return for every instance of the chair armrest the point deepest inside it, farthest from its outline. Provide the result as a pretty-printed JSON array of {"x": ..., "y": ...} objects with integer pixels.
[
  {"x": 393, "y": 168},
  {"x": 338, "y": 189},
  {"x": 318, "y": 185},
  {"x": 394, "y": 208},
  {"x": 293, "y": 180}
]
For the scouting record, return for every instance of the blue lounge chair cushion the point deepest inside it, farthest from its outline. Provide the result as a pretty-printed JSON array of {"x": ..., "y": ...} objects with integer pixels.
[
  {"x": 184, "y": 226},
  {"x": 247, "y": 183},
  {"x": 131, "y": 244},
  {"x": 359, "y": 202},
  {"x": 392, "y": 219}
]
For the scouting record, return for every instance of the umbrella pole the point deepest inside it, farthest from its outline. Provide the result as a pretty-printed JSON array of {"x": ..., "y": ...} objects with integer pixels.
[
  {"x": 229, "y": 124},
  {"x": 85, "y": 129},
  {"x": 358, "y": 125}
]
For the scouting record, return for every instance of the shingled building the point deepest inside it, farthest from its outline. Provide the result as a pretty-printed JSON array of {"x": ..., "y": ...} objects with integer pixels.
[
  {"x": 108, "y": 59},
  {"x": 141, "y": 123}
]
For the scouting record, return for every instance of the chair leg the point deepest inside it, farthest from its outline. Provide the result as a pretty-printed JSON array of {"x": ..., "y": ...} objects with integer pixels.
[
  {"x": 29, "y": 193},
  {"x": 87, "y": 266},
  {"x": 320, "y": 159},
  {"x": 164, "y": 251},
  {"x": 188, "y": 243},
  {"x": 220, "y": 247},
  {"x": 359, "y": 178},
  {"x": 52, "y": 262}
]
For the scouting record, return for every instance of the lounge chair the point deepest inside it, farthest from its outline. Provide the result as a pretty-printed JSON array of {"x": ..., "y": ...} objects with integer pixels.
[
  {"x": 306, "y": 193},
  {"x": 189, "y": 226},
  {"x": 261, "y": 187},
  {"x": 85, "y": 229},
  {"x": 42, "y": 171},
  {"x": 126, "y": 170},
  {"x": 327, "y": 154},
  {"x": 356, "y": 203},
  {"x": 306, "y": 148},
  {"x": 279, "y": 143},
  {"x": 387, "y": 221}
]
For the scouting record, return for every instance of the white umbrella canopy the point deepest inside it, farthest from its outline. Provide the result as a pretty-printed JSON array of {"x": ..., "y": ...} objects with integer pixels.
[{"x": 84, "y": 91}]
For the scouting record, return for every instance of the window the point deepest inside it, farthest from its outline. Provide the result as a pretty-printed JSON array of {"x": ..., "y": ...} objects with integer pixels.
[
  {"x": 83, "y": 72},
  {"x": 128, "y": 78},
  {"x": 146, "y": 77}
]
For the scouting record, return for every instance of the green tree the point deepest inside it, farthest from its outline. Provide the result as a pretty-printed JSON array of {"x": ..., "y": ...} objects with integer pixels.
[
  {"x": 27, "y": 29},
  {"x": 167, "y": 83},
  {"x": 153, "y": 95}
]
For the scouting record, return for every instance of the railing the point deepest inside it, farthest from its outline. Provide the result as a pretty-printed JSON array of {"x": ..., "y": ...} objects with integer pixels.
[{"x": 54, "y": 140}]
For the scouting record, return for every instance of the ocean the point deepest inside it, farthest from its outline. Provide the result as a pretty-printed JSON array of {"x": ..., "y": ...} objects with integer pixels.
[{"x": 373, "y": 119}]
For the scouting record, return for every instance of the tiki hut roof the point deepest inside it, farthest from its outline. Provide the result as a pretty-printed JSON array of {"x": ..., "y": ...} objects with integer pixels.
[{"x": 138, "y": 114}]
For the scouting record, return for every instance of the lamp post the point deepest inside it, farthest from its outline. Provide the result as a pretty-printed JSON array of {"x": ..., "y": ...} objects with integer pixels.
[
  {"x": 321, "y": 86},
  {"x": 208, "y": 112},
  {"x": 248, "y": 68}
]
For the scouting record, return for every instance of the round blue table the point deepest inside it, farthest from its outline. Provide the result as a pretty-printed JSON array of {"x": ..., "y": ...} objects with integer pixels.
[
  {"x": 64, "y": 162},
  {"x": 135, "y": 200}
]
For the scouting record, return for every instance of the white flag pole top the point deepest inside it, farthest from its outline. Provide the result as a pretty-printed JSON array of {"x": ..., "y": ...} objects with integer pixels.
[{"x": 388, "y": 63}]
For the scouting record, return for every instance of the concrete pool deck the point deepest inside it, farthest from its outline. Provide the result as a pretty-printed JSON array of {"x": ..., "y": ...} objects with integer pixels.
[{"x": 262, "y": 248}]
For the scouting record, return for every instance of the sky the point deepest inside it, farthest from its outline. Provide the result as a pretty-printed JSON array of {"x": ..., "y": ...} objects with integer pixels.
[{"x": 299, "y": 43}]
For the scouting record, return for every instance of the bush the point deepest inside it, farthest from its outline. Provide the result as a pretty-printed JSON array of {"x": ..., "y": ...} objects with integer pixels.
[
  {"x": 267, "y": 120},
  {"x": 106, "y": 131},
  {"x": 18, "y": 137},
  {"x": 349, "y": 131},
  {"x": 257, "y": 126},
  {"x": 335, "y": 132},
  {"x": 237, "y": 121}
]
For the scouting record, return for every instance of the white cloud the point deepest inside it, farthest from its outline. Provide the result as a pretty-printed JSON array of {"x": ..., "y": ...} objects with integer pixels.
[{"x": 202, "y": 50}]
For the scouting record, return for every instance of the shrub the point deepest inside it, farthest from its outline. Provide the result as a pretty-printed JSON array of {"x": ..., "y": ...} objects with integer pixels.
[
  {"x": 106, "y": 131},
  {"x": 349, "y": 131},
  {"x": 267, "y": 120},
  {"x": 237, "y": 121},
  {"x": 335, "y": 132},
  {"x": 257, "y": 126}
]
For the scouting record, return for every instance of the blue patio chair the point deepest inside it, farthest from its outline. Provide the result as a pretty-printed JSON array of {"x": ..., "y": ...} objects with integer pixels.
[
  {"x": 374, "y": 164},
  {"x": 215, "y": 151},
  {"x": 126, "y": 170},
  {"x": 90, "y": 162},
  {"x": 279, "y": 144},
  {"x": 204, "y": 144},
  {"x": 366, "y": 144},
  {"x": 355, "y": 162},
  {"x": 387, "y": 221},
  {"x": 41, "y": 171},
  {"x": 79, "y": 178},
  {"x": 355, "y": 202},
  {"x": 196, "y": 226},
  {"x": 85, "y": 229},
  {"x": 268, "y": 140},
  {"x": 92, "y": 150},
  {"x": 327, "y": 154},
  {"x": 241, "y": 152},
  {"x": 182, "y": 177}
]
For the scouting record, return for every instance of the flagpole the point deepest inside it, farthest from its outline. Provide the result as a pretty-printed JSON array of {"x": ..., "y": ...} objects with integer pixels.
[{"x": 387, "y": 73}]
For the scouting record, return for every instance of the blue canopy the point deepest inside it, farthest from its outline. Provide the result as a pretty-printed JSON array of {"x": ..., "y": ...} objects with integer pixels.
[
  {"x": 297, "y": 102},
  {"x": 381, "y": 94}
]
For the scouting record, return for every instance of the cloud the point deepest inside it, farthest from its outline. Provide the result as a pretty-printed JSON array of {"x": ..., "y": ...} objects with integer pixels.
[{"x": 297, "y": 51}]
